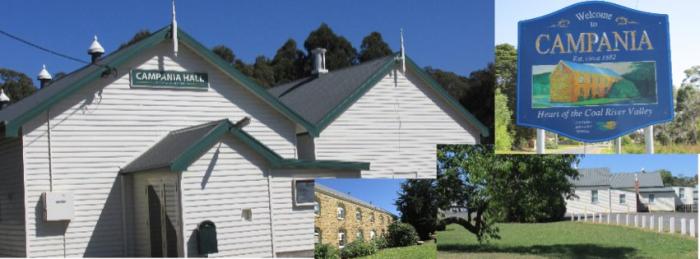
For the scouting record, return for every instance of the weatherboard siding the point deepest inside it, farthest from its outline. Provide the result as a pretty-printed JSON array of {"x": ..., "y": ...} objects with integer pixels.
[
  {"x": 395, "y": 126},
  {"x": 608, "y": 201},
  {"x": 663, "y": 201},
  {"x": 107, "y": 124},
  {"x": 12, "y": 231},
  {"x": 228, "y": 178},
  {"x": 293, "y": 227}
]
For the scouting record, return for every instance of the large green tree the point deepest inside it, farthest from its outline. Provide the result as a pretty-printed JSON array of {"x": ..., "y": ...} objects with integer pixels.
[
  {"x": 506, "y": 80},
  {"x": 263, "y": 72},
  {"x": 417, "y": 203},
  {"x": 503, "y": 188},
  {"x": 288, "y": 63},
  {"x": 504, "y": 141},
  {"x": 373, "y": 46},
  {"x": 340, "y": 52},
  {"x": 16, "y": 85}
]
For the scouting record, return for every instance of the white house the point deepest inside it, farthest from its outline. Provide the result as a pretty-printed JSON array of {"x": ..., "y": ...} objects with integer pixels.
[
  {"x": 137, "y": 153},
  {"x": 598, "y": 190}
]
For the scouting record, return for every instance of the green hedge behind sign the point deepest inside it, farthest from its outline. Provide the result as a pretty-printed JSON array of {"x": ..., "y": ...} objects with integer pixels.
[{"x": 168, "y": 79}]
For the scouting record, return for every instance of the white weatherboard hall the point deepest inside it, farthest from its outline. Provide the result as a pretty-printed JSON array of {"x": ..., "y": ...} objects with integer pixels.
[{"x": 191, "y": 158}]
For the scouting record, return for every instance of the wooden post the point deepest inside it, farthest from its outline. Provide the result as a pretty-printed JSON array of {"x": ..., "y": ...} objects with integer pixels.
[
  {"x": 649, "y": 139},
  {"x": 539, "y": 144}
]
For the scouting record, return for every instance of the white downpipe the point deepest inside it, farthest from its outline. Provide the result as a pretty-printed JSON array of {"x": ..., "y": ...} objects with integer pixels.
[
  {"x": 649, "y": 139},
  {"x": 269, "y": 204},
  {"x": 539, "y": 145}
]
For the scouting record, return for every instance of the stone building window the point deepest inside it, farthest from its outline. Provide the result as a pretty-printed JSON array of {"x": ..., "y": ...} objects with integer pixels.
[
  {"x": 372, "y": 234},
  {"x": 342, "y": 238},
  {"x": 358, "y": 214},
  {"x": 359, "y": 235},
  {"x": 341, "y": 211},
  {"x": 317, "y": 207},
  {"x": 371, "y": 217},
  {"x": 381, "y": 219}
]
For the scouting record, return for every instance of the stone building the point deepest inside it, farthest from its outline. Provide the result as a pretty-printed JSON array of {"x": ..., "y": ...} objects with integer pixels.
[
  {"x": 572, "y": 82},
  {"x": 341, "y": 218}
]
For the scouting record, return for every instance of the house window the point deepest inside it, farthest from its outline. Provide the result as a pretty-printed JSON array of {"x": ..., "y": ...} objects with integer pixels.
[
  {"x": 317, "y": 207},
  {"x": 359, "y": 235},
  {"x": 681, "y": 193},
  {"x": 358, "y": 214},
  {"x": 622, "y": 198},
  {"x": 651, "y": 198},
  {"x": 594, "y": 196},
  {"x": 317, "y": 236},
  {"x": 342, "y": 239},
  {"x": 371, "y": 217},
  {"x": 341, "y": 211},
  {"x": 247, "y": 214},
  {"x": 304, "y": 192},
  {"x": 580, "y": 79},
  {"x": 372, "y": 234}
]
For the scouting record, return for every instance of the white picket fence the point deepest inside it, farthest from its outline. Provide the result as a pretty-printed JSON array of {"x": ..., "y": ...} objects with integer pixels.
[{"x": 651, "y": 222}]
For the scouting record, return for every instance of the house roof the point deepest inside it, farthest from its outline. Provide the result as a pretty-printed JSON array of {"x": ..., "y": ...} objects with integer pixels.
[
  {"x": 656, "y": 189},
  {"x": 321, "y": 99},
  {"x": 180, "y": 148},
  {"x": 345, "y": 196},
  {"x": 590, "y": 69},
  {"x": 17, "y": 114},
  {"x": 603, "y": 177}
]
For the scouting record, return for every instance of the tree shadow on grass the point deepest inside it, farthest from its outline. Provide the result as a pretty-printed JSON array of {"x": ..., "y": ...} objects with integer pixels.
[{"x": 560, "y": 251}]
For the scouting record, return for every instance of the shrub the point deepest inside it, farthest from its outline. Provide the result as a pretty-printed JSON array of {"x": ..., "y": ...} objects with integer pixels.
[
  {"x": 401, "y": 234},
  {"x": 380, "y": 242},
  {"x": 357, "y": 248},
  {"x": 325, "y": 251}
]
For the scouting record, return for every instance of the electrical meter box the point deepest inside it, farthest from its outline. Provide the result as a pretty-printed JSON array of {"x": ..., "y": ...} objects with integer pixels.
[{"x": 58, "y": 206}]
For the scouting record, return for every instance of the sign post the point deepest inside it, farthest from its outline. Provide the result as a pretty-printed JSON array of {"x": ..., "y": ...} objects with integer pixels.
[{"x": 593, "y": 72}]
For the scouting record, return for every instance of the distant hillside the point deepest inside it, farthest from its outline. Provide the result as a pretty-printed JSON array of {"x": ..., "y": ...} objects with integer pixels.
[{"x": 540, "y": 84}]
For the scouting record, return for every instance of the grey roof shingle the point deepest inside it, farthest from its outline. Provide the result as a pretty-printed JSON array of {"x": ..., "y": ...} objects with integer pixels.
[
  {"x": 314, "y": 97},
  {"x": 592, "y": 177},
  {"x": 342, "y": 195},
  {"x": 163, "y": 153}
]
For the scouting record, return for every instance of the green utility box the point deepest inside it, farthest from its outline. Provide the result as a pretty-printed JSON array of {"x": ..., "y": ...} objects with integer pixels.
[{"x": 206, "y": 237}]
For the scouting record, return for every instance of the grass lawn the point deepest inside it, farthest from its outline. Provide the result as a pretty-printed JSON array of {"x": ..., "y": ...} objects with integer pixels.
[
  {"x": 425, "y": 251},
  {"x": 566, "y": 240}
]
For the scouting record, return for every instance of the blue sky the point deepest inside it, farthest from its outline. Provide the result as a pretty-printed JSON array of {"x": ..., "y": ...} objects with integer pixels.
[
  {"x": 682, "y": 14},
  {"x": 451, "y": 35},
  {"x": 679, "y": 165},
  {"x": 380, "y": 192}
]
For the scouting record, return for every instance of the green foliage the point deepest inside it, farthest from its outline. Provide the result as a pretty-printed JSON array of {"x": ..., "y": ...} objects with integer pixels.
[
  {"x": 540, "y": 84},
  {"x": 140, "y": 35},
  {"x": 506, "y": 79},
  {"x": 373, "y": 46},
  {"x": 671, "y": 180},
  {"x": 288, "y": 63},
  {"x": 511, "y": 188},
  {"x": 624, "y": 89},
  {"x": 326, "y": 251},
  {"x": 380, "y": 242},
  {"x": 504, "y": 137},
  {"x": 643, "y": 78},
  {"x": 401, "y": 234},
  {"x": 418, "y": 205},
  {"x": 357, "y": 248},
  {"x": 263, "y": 72},
  {"x": 16, "y": 85},
  {"x": 340, "y": 52},
  {"x": 225, "y": 53}
]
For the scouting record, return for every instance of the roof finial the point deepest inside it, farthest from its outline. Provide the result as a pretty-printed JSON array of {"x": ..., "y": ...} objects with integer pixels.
[
  {"x": 174, "y": 27},
  {"x": 403, "y": 53},
  {"x": 3, "y": 97}
]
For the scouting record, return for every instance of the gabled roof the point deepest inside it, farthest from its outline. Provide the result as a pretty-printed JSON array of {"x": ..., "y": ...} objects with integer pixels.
[
  {"x": 341, "y": 195},
  {"x": 17, "y": 114},
  {"x": 180, "y": 148},
  {"x": 603, "y": 177},
  {"x": 590, "y": 69},
  {"x": 322, "y": 99}
]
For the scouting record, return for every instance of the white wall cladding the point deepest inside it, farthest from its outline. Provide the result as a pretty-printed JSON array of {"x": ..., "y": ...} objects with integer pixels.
[
  {"x": 12, "y": 234},
  {"x": 293, "y": 225},
  {"x": 396, "y": 126},
  {"x": 608, "y": 201},
  {"x": 663, "y": 201},
  {"x": 108, "y": 124},
  {"x": 229, "y": 178}
]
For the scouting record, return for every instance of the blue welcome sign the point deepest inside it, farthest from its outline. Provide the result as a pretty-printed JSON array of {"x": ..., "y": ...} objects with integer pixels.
[{"x": 594, "y": 71}]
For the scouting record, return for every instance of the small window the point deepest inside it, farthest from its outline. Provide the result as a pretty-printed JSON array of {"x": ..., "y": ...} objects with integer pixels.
[
  {"x": 622, "y": 198},
  {"x": 341, "y": 238},
  {"x": 358, "y": 214},
  {"x": 594, "y": 196},
  {"x": 304, "y": 192},
  {"x": 359, "y": 235},
  {"x": 580, "y": 79},
  {"x": 651, "y": 198},
  {"x": 372, "y": 234},
  {"x": 681, "y": 193},
  {"x": 317, "y": 207},
  {"x": 247, "y": 214},
  {"x": 317, "y": 236},
  {"x": 341, "y": 211}
]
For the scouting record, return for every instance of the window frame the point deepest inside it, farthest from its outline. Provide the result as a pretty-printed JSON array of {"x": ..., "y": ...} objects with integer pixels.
[
  {"x": 338, "y": 210},
  {"x": 623, "y": 198},
  {"x": 296, "y": 195},
  {"x": 594, "y": 197},
  {"x": 652, "y": 198}
]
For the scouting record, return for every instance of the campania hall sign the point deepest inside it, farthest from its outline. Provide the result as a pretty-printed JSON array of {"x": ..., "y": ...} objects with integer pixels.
[{"x": 594, "y": 71}]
